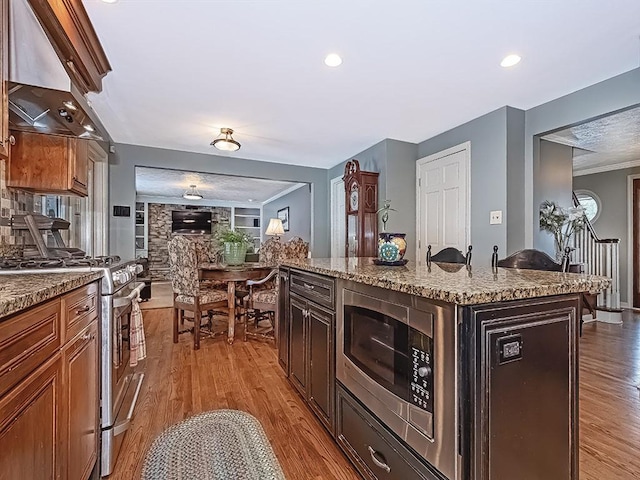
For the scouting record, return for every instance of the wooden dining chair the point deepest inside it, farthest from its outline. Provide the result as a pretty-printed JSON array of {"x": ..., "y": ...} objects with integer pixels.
[
  {"x": 188, "y": 292},
  {"x": 449, "y": 255},
  {"x": 262, "y": 302},
  {"x": 532, "y": 259}
]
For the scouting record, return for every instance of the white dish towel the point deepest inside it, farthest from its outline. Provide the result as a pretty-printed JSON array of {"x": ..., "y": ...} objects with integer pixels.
[{"x": 137, "y": 341}]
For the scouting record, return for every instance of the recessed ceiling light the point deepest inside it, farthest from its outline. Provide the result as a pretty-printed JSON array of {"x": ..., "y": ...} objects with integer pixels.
[
  {"x": 332, "y": 60},
  {"x": 250, "y": 199},
  {"x": 109, "y": 1},
  {"x": 510, "y": 60}
]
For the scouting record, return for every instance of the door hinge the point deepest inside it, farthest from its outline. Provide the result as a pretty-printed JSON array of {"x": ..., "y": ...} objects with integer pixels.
[{"x": 419, "y": 182}]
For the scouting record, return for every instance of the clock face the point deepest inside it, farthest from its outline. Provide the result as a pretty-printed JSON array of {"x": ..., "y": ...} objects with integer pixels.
[{"x": 353, "y": 198}]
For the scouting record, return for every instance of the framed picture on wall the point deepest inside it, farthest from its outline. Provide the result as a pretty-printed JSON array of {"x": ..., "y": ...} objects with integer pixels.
[{"x": 283, "y": 214}]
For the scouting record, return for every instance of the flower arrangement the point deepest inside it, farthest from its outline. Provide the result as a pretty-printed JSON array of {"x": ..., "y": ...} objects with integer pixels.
[{"x": 562, "y": 223}]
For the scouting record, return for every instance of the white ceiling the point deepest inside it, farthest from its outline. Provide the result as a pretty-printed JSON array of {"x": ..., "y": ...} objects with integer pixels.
[
  {"x": 605, "y": 143},
  {"x": 412, "y": 69},
  {"x": 158, "y": 182}
]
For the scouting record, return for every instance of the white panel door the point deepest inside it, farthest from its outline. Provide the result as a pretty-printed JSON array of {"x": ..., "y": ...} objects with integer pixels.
[
  {"x": 442, "y": 202},
  {"x": 338, "y": 235}
]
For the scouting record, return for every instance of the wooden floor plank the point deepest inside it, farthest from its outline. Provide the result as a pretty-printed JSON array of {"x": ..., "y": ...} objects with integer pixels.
[{"x": 181, "y": 382}]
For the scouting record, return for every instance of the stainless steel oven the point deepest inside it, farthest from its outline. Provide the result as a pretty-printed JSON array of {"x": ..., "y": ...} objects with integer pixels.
[
  {"x": 397, "y": 354},
  {"x": 121, "y": 383}
]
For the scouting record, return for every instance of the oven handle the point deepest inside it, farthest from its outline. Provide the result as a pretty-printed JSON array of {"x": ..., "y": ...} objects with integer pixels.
[
  {"x": 379, "y": 463},
  {"x": 135, "y": 293},
  {"x": 122, "y": 426}
]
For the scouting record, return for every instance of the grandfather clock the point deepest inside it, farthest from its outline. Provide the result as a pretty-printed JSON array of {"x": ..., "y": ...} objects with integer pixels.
[{"x": 361, "y": 190}]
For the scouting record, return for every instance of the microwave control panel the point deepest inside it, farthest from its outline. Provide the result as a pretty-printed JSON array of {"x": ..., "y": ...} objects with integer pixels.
[{"x": 421, "y": 370}]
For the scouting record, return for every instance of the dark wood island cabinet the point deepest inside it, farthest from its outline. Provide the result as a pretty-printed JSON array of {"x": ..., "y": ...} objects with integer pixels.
[{"x": 441, "y": 373}]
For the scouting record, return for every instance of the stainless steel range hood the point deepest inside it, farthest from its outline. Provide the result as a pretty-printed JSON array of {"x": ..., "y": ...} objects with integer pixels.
[
  {"x": 41, "y": 96},
  {"x": 50, "y": 111}
]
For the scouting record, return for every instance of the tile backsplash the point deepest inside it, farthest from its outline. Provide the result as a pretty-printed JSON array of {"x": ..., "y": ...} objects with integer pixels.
[{"x": 13, "y": 202}]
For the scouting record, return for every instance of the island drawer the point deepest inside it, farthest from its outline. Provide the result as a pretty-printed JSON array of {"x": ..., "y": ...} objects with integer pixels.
[
  {"x": 375, "y": 453},
  {"x": 26, "y": 341},
  {"x": 81, "y": 308},
  {"x": 316, "y": 288}
]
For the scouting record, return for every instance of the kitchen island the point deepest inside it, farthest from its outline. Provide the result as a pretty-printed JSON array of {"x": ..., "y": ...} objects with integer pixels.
[{"x": 441, "y": 371}]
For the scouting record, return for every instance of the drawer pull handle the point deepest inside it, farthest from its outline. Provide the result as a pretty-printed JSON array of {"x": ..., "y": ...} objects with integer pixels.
[
  {"x": 84, "y": 309},
  {"x": 307, "y": 286},
  {"x": 86, "y": 337},
  {"x": 378, "y": 463}
]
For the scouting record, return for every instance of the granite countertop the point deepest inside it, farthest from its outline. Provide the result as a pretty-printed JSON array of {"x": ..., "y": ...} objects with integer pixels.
[
  {"x": 23, "y": 290},
  {"x": 454, "y": 283}
]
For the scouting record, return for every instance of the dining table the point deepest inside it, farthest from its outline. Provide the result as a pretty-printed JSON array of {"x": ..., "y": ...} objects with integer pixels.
[{"x": 232, "y": 274}]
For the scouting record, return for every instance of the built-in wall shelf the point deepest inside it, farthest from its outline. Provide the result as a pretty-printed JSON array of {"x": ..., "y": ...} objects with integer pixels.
[
  {"x": 249, "y": 221},
  {"x": 141, "y": 239}
]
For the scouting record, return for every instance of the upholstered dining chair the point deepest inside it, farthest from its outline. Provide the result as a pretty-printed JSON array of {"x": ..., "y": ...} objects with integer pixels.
[
  {"x": 188, "y": 293},
  {"x": 262, "y": 301},
  {"x": 449, "y": 255}
]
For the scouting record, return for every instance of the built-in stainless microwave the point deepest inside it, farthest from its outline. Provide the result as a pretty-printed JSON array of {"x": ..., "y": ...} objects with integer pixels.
[{"x": 397, "y": 354}]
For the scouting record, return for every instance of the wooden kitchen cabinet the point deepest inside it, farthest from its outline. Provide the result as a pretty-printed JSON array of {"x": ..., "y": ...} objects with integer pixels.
[
  {"x": 310, "y": 345},
  {"x": 74, "y": 39},
  {"x": 81, "y": 404},
  {"x": 4, "y": 61},
  {"x": 49, "y": 395},
  {"x": 282, "y": 338},
  {"x": 48, "y": 163},
  {"x": 29, "y": 425}
]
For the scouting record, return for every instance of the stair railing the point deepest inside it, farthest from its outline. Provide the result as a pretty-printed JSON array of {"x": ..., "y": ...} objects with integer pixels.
[{"x": 599, "y": 257}]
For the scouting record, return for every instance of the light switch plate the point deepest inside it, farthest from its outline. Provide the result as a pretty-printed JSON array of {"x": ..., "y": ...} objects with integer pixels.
[{"x": 495, "y": 217}]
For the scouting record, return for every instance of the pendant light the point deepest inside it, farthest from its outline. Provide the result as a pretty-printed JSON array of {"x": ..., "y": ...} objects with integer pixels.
[
  {"x": 192, "y": 193},
  {"x": 225, "y": 141}
]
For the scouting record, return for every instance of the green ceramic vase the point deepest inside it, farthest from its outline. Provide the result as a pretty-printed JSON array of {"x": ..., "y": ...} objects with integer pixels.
[{"x": 234, "y": 253}]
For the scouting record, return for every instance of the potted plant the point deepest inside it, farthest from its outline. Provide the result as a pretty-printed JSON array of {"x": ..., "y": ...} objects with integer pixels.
[
  {"x": 234, "y": 245},
  {"x": 391, "y": 246}
]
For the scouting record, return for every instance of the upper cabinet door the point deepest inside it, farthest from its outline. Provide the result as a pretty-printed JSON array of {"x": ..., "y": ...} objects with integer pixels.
[
  {"x": 4, "y": 104},
  {"x": 75, "y": 41}
]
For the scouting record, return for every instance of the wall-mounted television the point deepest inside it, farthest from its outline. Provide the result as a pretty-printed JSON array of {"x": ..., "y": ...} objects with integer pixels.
[{"x": 190, "y": 222}]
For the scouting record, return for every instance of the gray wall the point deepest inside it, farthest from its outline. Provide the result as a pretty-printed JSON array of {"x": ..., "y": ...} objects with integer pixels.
[
  {"x": 396, "y": 163},
  {"x": 488, "y": 137},
  {"x": 299, "y": 203},
  {"x": 555, "y": 177},
  {"x": 515, "y": 180},
  {"x": 616, "y": 93},
  {"x": 611, "y": 187},
  {"x": 122, "y": 187}
]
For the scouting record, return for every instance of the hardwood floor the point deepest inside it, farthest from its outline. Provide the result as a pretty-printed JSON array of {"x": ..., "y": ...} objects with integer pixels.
[
  {"x": 181, "y": 382},
  {"x": 610, "y": 400}
]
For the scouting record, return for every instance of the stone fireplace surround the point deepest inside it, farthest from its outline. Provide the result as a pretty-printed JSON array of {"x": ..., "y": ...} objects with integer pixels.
[{"x": 159, "y": 233}]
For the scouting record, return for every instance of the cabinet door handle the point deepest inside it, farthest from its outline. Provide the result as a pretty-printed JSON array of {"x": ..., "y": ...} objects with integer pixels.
[
  {"x": 86, "y": 336},
  {"x": 11, "y": 140},
  {"x": 307, "y": 286},
  {"x": 378, "y": 463},
  {"x": 84, "y": 309}
]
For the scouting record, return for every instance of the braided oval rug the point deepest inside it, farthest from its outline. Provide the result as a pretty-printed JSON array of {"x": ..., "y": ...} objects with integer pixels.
[{"x": 220, "y": 445}]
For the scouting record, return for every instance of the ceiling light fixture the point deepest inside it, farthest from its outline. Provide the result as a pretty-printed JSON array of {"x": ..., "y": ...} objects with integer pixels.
[
  {"x": 88, "y": 128},
  {"x": 226, "y": 143},
  {"x": 192, "y": 193},
  {"x": 332, "y": 60},
  {"x": 510, "y": 60},
  {"x": 109, "y": 1}
]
